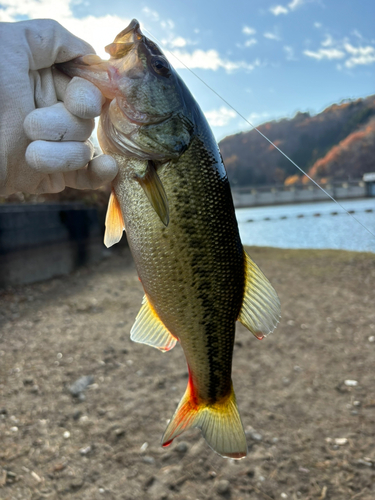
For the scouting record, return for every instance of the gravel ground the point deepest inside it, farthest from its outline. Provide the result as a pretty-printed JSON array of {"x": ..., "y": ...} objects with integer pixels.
[{"x": 306, "y": 393}]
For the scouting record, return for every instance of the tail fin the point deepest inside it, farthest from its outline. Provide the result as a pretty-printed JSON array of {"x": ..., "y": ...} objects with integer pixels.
[{"x": 220, "y": 424}]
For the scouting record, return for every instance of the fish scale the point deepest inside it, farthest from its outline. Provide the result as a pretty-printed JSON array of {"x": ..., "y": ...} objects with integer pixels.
[{"x": 173, "y": 197}]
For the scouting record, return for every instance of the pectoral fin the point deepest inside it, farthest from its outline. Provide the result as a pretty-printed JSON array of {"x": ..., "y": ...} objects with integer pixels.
[
  {"x": 114, "y": 222},
  {"x": 149, "y": 329},
  {"x": 154, "y": 190},
  {"x": 260, "y": 310}
]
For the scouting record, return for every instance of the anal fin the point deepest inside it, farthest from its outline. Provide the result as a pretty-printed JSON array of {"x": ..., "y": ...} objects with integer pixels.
[
  {"x": 149, "y": 329},
  {"x": 114, "y": 222},
  {"x": 260, "y": 312}
]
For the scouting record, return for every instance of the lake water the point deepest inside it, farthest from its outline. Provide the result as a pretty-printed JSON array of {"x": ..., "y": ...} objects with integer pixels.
[{"x": 300, "y": 226}]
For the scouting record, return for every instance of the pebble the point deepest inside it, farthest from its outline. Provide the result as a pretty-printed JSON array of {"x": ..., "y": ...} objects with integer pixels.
[
  {"x": 256, "y": 436},
  {"x": 284, "y": 495},
  {"x": 77, "y": 414},
  {"x": 76, "y": 483},
  {"x": 144, "y": 447},
  {"x": 223, "y": 487},
  {"x": 341, "y": 441},
  {"x": 182, "y": 447},
  {"x": 367, "y": 463},
  {"x": 85, "y": 451},
  {"x": 66, "y": 434},
  {"x": 148, "y": 460},
  {"x": 351, "y": 383},
  {"x": 80, "y": 385}
]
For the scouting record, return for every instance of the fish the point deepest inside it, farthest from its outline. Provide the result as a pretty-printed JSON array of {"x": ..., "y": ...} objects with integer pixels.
[{"x": 172, "y": 197}]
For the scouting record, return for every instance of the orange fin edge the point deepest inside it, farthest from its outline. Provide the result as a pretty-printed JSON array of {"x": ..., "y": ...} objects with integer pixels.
[
  {"x": 220, "y": 423},
  {"x": 114, "y": 222}
]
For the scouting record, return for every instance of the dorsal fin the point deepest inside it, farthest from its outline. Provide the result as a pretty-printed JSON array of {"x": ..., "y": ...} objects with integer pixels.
[
  {"x": 260, "y": 310},
  {"x": 114, "y": 222},
  {"x": 149, "y": 329}
]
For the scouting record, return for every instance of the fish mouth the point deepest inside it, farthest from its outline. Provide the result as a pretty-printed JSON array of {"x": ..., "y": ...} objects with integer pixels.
[
  {"x": 106, "y": 74},
  {"x": 125, "y": 40}
]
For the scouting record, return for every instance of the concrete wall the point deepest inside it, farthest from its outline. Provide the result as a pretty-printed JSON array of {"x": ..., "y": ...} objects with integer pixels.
[
  {"x": 252, "y": 197},
  {"x": 38, "y": 242}
]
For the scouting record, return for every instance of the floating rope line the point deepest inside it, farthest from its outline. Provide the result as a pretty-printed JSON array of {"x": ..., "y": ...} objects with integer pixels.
[{"x": 253, "y": 127}]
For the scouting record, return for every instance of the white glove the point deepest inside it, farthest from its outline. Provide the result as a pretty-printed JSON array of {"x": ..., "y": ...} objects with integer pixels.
[{"x": 30, "y": 90}]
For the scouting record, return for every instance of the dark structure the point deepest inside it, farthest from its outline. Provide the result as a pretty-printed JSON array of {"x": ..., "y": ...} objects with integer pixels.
[{"x": 41, "y": 241}]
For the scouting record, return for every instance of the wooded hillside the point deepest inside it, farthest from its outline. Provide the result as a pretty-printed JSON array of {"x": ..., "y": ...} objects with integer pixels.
[{"x": 337, "y": 144}]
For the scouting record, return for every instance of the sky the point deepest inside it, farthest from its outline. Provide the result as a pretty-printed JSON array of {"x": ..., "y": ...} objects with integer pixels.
[{"x": 268, "y": 59}]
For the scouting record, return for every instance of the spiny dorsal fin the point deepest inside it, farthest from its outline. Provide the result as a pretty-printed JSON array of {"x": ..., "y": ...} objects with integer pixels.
[
  {"x": 149, "y": 329},
  {"x": 155, "y": 192},
  {"x": 114, "y": 222},
  {"x": 260, "y": 310}
]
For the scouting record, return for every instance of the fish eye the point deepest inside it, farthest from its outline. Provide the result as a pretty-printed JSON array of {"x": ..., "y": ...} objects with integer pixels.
[{"x": 161, "y": 66}]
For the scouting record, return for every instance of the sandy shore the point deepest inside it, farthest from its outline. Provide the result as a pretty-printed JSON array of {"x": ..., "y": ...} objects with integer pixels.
[{"x": 311, "y": 435}]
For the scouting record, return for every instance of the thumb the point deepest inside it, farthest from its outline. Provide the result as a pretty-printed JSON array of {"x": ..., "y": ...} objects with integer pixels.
[{"x": 51, "y": 43}]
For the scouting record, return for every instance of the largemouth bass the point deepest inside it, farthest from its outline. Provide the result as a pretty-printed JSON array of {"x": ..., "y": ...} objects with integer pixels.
[{"x": 173, "y": 197}]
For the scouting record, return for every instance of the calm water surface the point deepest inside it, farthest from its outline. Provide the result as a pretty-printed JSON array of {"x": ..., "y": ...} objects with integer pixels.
[{"x": 300, "y": 226}]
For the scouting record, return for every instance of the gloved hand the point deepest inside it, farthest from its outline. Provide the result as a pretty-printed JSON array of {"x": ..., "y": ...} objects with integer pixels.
[{"x": 46, "y": 118}]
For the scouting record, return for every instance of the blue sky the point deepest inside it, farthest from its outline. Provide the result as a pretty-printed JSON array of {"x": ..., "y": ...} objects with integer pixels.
[{"x": 268, "y": 59}]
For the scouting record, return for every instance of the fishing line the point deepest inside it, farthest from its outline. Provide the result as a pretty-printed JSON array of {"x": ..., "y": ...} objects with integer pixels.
[{"x": 253, "y": 127}]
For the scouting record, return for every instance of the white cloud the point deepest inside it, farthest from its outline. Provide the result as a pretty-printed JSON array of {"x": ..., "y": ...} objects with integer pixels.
[
  {"x": 285, "y": 9},
  {"x": 328, "y": 41},
  {"x": 357, "y": 34},
  {"x": 209, "y": 59},
  {"x": 359, "y": 55},
  {"x": 167, "y": 24},
  {"x": 271, "y": 36},
  {"x": 250, "y": 42},
  {"x": 325, "y": 54},
  {"x": 278, "y": 9},
  {"x": 248, "y": 31},
  {"x": 289, "y": 51},
  {"x": 98, "y": 31},
  {"x": 332, "y": 49},
  {"x": 317, "y": 25},
  {"x": 152, "y": 14},
  {"x": 178, "y": 42},
  {"x": 34, "y": 9},
  {"x": 220, "y": 117},
  {"x": 359, "y": 51},
  {"x": 295, "y": 3}
]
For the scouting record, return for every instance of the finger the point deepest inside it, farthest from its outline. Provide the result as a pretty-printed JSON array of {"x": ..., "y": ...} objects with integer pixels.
[
  {"x": 51, "y": 157},
  {"x": 56, "y": 123},
  {"x": 61, "y": 83},
  {"x": 101, "y": 170},
  {"x": 83, "y": 99}
]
